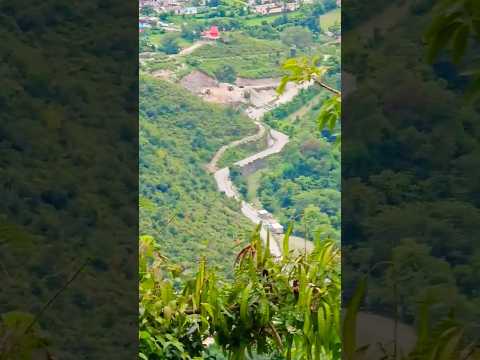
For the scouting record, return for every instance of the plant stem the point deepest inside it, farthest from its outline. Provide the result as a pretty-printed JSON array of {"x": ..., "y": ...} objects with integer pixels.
[{"x": 55, "y": 296}]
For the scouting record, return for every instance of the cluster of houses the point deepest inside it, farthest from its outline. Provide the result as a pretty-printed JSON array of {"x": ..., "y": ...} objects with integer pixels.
[
  {"x": 182, "y": 7},
  {"x": 178, "y": 7},
  {"x": 267, "y": 7},
  {"x": 150, "y": 22}
]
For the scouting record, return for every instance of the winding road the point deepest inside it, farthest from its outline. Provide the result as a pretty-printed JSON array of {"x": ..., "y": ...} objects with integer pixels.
[
  {"x": 276, "y": 142},
  {"x": 225, "y": 185}
]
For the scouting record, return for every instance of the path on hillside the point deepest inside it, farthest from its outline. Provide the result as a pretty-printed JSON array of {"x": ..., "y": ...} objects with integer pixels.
[
  {"x": 371, "y": 328},
  {"x": 192, "y": 48}
]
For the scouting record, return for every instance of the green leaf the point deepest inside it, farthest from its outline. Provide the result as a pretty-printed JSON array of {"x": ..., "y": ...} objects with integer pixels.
[
  {"x": 286, "y": 240},
  {"x": 349, "y": 333},
  {"x": 244, "y": 302}
]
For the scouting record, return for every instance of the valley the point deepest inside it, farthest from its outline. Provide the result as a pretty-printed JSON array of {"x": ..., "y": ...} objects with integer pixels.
[
  {"x": 213, "y": 122},
  {"x": 239, "y": 73}
]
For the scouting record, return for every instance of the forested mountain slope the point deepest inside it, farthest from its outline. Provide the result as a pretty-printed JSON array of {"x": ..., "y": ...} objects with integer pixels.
[
  {"x": 411, "y": 169},
  {"x": 179, "y": 203},
  {"x": 68, "y": 185},
  {"x": 304, "y": 185}
]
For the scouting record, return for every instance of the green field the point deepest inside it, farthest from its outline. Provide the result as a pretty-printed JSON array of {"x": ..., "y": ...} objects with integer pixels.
[
  {"x": 156, "y": 39},
  {"x": 250, "y": 57},
  {"x": 330, "y": 18},
  {"x": 268, "y": 18}
]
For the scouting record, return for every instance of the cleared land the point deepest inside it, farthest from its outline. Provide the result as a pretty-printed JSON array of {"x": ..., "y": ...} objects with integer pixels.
[{"x": 330, "y": 18}]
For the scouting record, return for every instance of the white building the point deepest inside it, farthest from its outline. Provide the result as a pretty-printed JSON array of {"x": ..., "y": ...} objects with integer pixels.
[
  {"x": 271, "y": 7},
  {"x": 276, "y": 228},
  {"x": 263, "y": 214},
  {"x": 187, "y": 11}
]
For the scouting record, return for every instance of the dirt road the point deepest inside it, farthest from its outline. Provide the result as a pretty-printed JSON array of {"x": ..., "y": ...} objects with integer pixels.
[
  {"x": 192, "y": 48},
  {"x": 290, "y": 92}
]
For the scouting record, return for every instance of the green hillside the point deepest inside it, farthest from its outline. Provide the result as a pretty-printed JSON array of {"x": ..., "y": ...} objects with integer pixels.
[
  {"x": 250, "y": 57},
  {"x": 180, "y": 206},
  {"x": 304, "y": 184}
]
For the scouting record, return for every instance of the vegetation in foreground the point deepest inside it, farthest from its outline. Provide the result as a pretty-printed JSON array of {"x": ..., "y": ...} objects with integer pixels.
[{"x": 289, "y": 307}]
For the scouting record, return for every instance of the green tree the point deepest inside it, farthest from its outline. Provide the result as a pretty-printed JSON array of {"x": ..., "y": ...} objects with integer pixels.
[
  {"x": 189, "y": 32},
  {"x": 226, "y": 73},
  {"x": 329, "y": 4},
  {"x": 169, "y": 44},
  {"x": 455, "y": 28},
  {"x": 301, "y": 70},
  {"x": 313, "y": 218},
  {"x": 147, "y": 11},
  {"x": 297, "y": 36}
]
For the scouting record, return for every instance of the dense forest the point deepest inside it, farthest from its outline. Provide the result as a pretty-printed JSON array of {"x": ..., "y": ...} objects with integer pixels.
[
  {"x": 68, "y": 183},
  {"x": 304, "y": 184},
  {"x": 410, "y": 168},
  {"x": 180, "y": 205}
]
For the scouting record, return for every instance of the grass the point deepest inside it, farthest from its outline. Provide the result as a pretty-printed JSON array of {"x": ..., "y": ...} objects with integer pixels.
[
  {"x": 253, "y": 183},
  {"x": 268, "y": 18},
  {"x": 300, "y": 244},
  {"x": 330, "y": 18},
  {"x": 156, "y": 39}
]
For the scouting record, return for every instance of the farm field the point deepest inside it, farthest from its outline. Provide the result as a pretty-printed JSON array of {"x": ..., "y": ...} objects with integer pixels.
[
  {"x": 250, "y": 57},
  {"x": 267, "y": 18}
]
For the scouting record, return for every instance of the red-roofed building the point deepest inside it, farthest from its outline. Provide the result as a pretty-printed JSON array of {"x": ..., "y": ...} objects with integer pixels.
[{"x": 212, "y": 33}]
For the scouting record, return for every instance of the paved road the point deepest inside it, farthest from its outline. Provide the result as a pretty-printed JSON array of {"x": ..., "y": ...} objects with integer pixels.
[
  {"x": 287, "y": 96},
  {"x": 225, "y": 184},
  {"x": 276, "y": 143},
  {"x": 252, "y": 214},
  {"x": 212, "y": 165},
  {"x": 279, "y": 142}
]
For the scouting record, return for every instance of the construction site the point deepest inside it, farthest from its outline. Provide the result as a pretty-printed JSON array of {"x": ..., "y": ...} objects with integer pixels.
[{"x": 256, "y": 95}]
